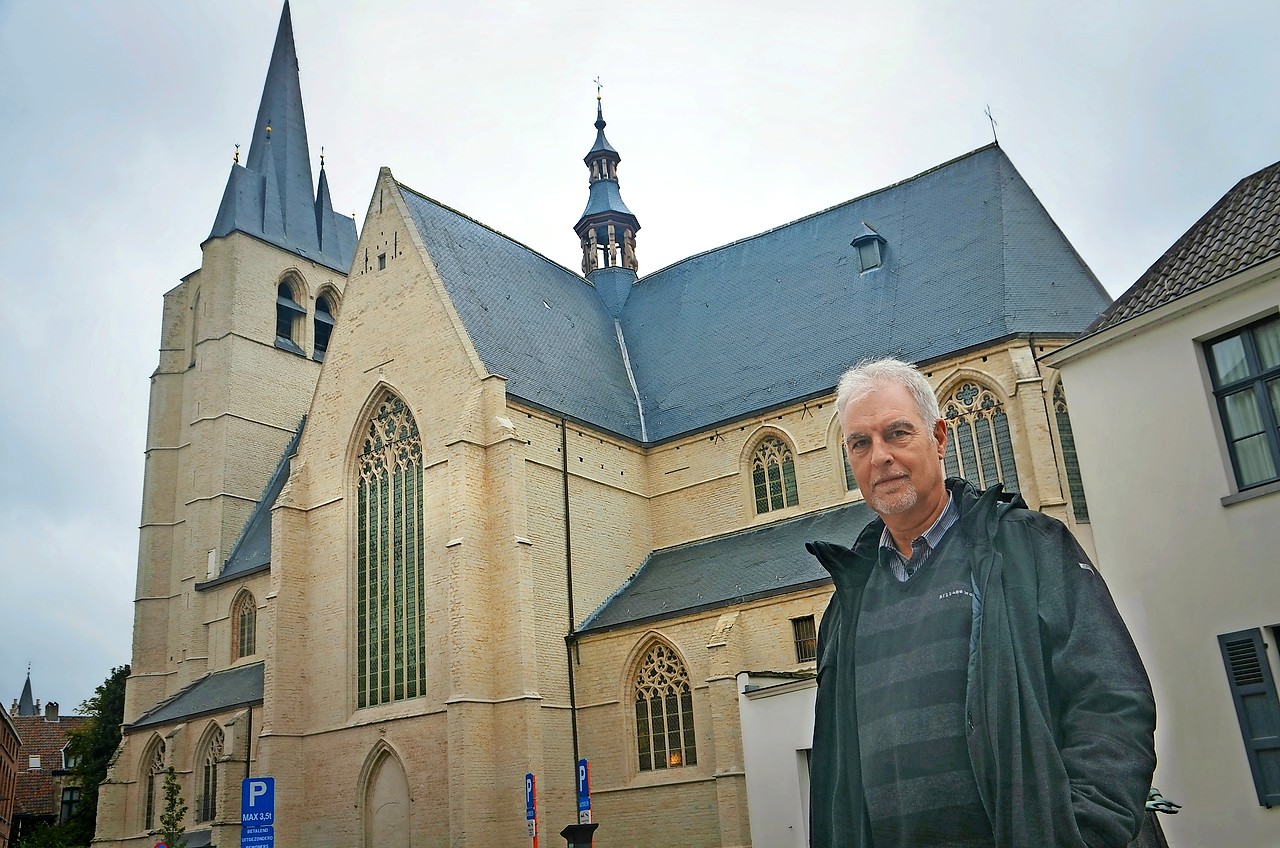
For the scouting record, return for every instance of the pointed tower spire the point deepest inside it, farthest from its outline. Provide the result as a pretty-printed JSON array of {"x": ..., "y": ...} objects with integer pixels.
[
  {"x": 26, "y": 704},
  {"x": 607, "y": 229},
  {"x": 272, "y": 196}
]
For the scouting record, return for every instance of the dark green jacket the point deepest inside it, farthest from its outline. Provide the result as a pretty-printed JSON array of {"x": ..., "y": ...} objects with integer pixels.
[{"x": 1061, "y": 720}]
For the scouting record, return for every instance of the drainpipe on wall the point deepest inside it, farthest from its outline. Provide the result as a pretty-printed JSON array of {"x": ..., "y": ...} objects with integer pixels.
[{"x": 568, "y": 576}]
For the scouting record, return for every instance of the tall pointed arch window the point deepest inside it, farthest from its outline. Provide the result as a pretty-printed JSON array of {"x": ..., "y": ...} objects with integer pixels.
[
  {"x": 773, "y": 475},
  {"x": 323, "y": 326},
  {"x": 154, "y": 765},
  {"x": 244, "y": 625},
  {"x": 978, "y": 444},
  {"x": 664, "y": 711},
  {"x": 207, "y": 762},
  {"x": 390, "y": 602},
  {"x": 1070, "y": 462},
  {"x": 850, "y": 482},
  {"x": 289, "y": 315}
]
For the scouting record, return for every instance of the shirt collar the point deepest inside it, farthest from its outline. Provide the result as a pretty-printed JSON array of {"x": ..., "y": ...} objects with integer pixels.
[{"x": 930, "y": 537}]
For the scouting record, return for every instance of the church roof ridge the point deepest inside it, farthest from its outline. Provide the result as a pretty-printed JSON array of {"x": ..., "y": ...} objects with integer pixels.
[{"x": 824, "y": 211}]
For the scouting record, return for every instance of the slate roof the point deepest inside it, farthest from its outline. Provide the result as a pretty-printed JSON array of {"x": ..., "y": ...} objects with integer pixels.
[
  {"x": 252, "y": 551},
  {"x": 1241, "y": 230},
  {"x": 34, "y": 794},
  {"x": 969, "y": 257},
  {"x": 220, "y": 690},
  {"x": 271, "y": 196},
  {"x": 728, "y": 570},
  {"x": 534, "y": 322}
]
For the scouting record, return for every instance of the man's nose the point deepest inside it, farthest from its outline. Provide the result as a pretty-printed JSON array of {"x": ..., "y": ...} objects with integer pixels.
[{"x": 880, "y": 453}]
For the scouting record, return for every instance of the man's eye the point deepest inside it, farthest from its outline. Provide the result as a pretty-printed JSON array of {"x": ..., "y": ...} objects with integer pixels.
[{"x": 856, "y": 444}]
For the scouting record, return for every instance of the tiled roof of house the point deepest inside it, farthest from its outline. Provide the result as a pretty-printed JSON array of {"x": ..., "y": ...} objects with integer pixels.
[
  {"x": 730, "y": 569},
  {"x": 1241, "y": 230},
  {"x": 45, "y": 739}
]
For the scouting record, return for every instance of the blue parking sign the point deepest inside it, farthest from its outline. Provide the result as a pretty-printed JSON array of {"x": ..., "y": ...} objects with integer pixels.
[{"x": 258, "y": 802}]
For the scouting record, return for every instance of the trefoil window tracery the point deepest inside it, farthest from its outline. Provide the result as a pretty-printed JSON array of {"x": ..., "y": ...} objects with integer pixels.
[
  {"x": 664, "y": 712},
  {"x": 979, "y": 447}
]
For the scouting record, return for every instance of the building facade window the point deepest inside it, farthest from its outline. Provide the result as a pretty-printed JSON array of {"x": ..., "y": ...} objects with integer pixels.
[
  {"x": 289, "y": 315},
  {"x": 390, "y": 561},
  {"x": 664, "y": 711},
  {"x": 1245, "y": 368},
  {"x": 850, "y": 482},
  {"x": 207, "y": 799},
  {"x": 979, "y": 447},
  {"x": 70, "y": 803},
  {"x": 1070, "y": 462},
  {"x": 806, "y": 636},
  {"x": 773, "y": 476},
  {"x": 154, "y": 764},
  {"x": 244, "y": 625},
  {"x": 323, "y": 327}
]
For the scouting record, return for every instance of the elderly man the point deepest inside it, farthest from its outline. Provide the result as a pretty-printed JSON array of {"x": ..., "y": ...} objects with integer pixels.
[{"x": 976, "y": 685}]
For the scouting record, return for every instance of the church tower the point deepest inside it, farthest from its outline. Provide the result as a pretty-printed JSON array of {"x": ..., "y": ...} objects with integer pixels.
[
  {"x": 607, "y": 229},
  {"x": 242, "y": 342}
]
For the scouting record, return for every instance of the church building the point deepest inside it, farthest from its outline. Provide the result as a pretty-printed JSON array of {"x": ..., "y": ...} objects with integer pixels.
[{"x": 425, "y": 512}]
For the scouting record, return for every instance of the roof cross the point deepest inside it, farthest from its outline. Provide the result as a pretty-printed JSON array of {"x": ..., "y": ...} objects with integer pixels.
[
  {"x": 599, "y": 85},
  {"x": 992, "y": 119}
]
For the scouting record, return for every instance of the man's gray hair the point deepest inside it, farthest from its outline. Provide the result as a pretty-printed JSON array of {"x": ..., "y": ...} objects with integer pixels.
[{"x": 863, "y": 378}]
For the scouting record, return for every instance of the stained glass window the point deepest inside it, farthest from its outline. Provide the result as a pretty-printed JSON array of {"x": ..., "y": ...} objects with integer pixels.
[
  {"x": 1070, "y": 462},
  {"x": 155, "y": 768},
  {"x": 244, "y": 626},
  {"x": 773, "y": 476},
  {"x": 664, "y": 712},
  {"x": 850, "y": 482},
  {"x": 390, "y": 562},
  {"x": 207, "y": 804},
  {"x": 979, "y": 447}
]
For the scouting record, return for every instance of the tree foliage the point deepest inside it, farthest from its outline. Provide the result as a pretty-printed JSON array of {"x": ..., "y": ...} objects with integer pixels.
[
  {"x": 91, "y": 747},
  {"x": 49, "y": 836},
  {"x": 172, "y": 831}
]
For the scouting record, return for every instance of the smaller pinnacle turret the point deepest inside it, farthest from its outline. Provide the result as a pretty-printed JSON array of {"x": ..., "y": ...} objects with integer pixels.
[{"x": 607, "y": 229}]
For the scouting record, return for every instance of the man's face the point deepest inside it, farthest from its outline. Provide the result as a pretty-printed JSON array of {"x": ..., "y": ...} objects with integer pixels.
[{"x": 895, "y": 456}]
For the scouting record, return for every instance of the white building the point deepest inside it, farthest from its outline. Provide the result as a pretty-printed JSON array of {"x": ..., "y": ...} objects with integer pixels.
[{"x": 1175, "y": 398}]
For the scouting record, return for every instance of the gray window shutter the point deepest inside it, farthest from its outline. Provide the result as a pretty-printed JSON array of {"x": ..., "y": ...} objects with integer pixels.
[{"x": 1254, "y": 690}]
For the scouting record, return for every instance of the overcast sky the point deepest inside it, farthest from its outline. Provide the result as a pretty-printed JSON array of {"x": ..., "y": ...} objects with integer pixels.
[{"x": 118, "y": 121}]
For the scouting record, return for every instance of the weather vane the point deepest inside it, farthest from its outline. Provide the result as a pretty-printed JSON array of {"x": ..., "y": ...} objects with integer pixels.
[{"x": 992, "y": 119}]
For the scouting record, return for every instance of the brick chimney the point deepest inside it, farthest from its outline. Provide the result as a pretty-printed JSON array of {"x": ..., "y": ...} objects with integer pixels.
[{"x": 51, "y": 711}]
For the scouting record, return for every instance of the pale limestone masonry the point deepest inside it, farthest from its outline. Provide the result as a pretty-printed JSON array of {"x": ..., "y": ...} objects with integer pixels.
[{"x": 497, "y": 702}]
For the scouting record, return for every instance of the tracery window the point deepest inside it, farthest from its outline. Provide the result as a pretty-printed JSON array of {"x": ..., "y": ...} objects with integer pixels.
[
  {"x": 664, "y": 711},
  {"x": 207, "y": 805},
  {"x": 1070, "y": 462},
  {"x": 978, "y": 444},
  {"x": 390, "y": 603},
  {"x": 155, "y": 767},
  {"x": 244, "y": 626},
  {"x": 850, "y": 482},
  {"x": 773, "y": 476}
]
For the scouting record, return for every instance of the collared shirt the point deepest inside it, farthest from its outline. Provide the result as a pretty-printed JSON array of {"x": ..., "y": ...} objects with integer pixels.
[{"x": 922, "y": 548}]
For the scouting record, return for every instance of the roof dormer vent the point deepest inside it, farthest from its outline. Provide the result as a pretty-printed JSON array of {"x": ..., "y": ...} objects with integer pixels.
[{"x": 869, "y": 242}]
